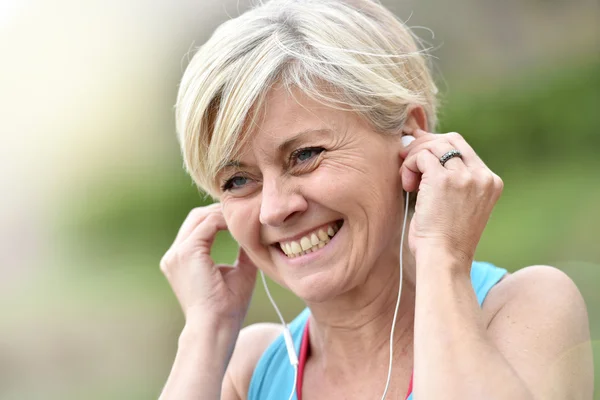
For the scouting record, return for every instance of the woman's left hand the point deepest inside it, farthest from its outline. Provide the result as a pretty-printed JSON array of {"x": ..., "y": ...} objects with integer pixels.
[{"x": 454, "y": 201}]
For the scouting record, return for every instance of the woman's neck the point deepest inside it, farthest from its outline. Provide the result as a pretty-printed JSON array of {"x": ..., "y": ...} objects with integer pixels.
[{"x": 351, "y": 332}]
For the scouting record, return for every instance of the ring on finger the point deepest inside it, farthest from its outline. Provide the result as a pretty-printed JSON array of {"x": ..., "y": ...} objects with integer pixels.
[{"x": 450, "y": 155}]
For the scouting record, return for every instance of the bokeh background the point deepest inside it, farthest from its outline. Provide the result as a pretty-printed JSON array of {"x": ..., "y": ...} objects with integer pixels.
[{"x": 93, "y": 190}]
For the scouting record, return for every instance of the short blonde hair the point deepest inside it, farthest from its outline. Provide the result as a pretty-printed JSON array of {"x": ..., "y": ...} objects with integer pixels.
[{"x": 370, "y": 62}]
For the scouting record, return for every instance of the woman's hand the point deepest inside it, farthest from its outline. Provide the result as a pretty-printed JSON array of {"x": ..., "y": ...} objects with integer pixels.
[
  {"x": 207, "y": 293},
  {"x": 454, "y": 201}
]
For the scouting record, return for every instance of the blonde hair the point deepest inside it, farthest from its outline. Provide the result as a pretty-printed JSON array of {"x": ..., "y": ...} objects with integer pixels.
[{"x": 349, "y": 54}]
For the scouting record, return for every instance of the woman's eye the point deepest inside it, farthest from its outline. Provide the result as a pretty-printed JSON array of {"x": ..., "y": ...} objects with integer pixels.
[
  {"x": 235, "y": 183},
  {"x": 302, "y": 155},
  {"x": 239, "y": 181}
]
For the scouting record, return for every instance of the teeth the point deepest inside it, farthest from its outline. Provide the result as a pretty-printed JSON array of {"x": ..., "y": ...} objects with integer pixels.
[
  {"x": 322, "y": 235},
  {"x": 296, "y": 249},
  {"x": 305, "y": 243},
  {"x": 314, "y": 240},
  {"x": 310, "y": 243}
]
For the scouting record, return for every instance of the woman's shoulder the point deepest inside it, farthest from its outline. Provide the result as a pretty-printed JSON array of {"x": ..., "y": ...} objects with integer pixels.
[
  {"x": 544, "y": 276},
  {"x": 535, "y": 283},
  {"x": 256, "y": 341},
  {"x": 538, "y": 320},
  {"x": 252, "y": 342}
]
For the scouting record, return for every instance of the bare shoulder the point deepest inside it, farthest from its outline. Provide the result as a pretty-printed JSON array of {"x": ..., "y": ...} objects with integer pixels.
[
  {"x": 538, "y": 320},
  {"x": 252, "y": 341},
  {"x": 537, "y": 285}
]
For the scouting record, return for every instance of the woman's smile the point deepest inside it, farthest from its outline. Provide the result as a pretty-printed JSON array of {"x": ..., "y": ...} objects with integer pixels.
[{"x": 309, "y": 246}]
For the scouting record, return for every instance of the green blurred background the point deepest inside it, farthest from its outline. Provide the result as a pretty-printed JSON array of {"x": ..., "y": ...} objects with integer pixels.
[{"x": 93, "y": 189}]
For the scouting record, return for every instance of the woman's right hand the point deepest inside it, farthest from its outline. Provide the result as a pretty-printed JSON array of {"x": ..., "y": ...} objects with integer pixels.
[{"x": 207, "y": 292}]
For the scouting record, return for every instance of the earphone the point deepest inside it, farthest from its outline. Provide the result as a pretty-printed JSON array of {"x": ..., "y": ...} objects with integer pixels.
[{"x": 287, "y": 336}]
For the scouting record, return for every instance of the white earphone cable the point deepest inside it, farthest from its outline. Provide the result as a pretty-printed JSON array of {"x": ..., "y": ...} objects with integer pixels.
[
  {"x": 264, "y": 280},
  {"x": 389, "y": 377},
  {"x": 289, "y": 343},
  {"x": 295, "y": 382}
]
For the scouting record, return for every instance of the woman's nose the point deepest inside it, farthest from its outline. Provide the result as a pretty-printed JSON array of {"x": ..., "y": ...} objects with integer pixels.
[{"x": 278, "y": 203}]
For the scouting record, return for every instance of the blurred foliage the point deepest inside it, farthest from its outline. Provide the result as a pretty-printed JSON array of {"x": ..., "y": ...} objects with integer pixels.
[{"x": 545, "y": 117}]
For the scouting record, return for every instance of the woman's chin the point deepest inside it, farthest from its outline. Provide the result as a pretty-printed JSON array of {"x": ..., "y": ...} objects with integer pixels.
[{"x": 316, "y": 287}]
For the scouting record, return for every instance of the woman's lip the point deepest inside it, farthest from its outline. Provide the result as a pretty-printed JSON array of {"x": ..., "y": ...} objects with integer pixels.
[
  {"x": 312, "y": 256},
  {"x": 305, "y": 233}
]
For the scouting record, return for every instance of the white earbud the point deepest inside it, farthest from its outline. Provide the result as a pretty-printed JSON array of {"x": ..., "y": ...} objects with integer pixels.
[{"x": 406, "y": 140}]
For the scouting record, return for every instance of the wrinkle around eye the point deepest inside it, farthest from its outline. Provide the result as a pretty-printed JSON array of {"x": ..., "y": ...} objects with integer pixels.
[
  {"x": 308, "y": 165},
  {"x": 344, "y": 164}
]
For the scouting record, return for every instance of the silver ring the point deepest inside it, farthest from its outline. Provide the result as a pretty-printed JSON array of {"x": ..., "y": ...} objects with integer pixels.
[{"x": 449, "y": 155}]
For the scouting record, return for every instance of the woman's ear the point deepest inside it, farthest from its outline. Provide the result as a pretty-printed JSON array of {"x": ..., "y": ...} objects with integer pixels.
[{"x": 416, "y": 119}]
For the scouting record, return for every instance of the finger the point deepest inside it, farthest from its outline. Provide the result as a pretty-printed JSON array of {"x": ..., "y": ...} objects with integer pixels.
[
  {"x": 203, "y": 235},
  {"x": 243, "y": 260},
  {"x": 193, "y": 219},
  {"x": 241, "y": 276},
  {"x": 244, "y": 265},
  {"x": 440, "y": 147},
  {"x": 419, "y": 164},
  {"x": 419, "y": 133},
  {"x": 410, "y": 179},
  {"x": 470, "y": 158},
  {"x": 418, "y": 142}
]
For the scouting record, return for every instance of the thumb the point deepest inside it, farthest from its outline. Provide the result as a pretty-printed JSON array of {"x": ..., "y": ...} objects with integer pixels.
[
  {"x": 244, "y": 264},
  {"x": 242, "y": 276}
]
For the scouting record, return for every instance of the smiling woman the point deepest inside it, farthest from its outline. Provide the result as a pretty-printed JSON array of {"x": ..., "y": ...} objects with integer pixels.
[{"x": 292, "y": 116}]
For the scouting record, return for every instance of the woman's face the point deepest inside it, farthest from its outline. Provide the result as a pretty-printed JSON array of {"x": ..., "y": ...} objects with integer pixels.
[{"x": 307, "y": 172}]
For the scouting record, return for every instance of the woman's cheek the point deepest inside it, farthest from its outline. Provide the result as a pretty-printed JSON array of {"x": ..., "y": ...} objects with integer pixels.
[
  {"x": 343, "y": 177},
  {"x": 238, "y": 222}
]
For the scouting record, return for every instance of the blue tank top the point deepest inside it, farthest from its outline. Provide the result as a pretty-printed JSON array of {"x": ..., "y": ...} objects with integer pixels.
[{"x": 273, "y": 376}]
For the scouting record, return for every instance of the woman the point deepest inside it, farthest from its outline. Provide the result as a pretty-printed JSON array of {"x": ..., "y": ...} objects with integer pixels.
[{"x": 292, "y": 117}]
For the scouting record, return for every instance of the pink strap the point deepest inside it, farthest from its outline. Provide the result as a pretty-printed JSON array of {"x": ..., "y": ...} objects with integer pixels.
[{"x": 304, "y": 349}]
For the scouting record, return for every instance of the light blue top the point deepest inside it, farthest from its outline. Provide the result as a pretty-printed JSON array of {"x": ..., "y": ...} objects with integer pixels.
[{"x": 274, "y": 376}]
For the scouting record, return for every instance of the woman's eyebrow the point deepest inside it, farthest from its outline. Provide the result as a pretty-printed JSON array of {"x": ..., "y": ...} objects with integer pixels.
[
  {"x": 234, "y": 164},
  {"x": 292, "y": 141},
  {"x": 283, "y": 147}
]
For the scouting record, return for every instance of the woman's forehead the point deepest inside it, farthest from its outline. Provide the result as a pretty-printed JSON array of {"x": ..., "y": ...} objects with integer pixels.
[
  {"x": 284, "y": 120},
  {"x": 286, "y": 114}
]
